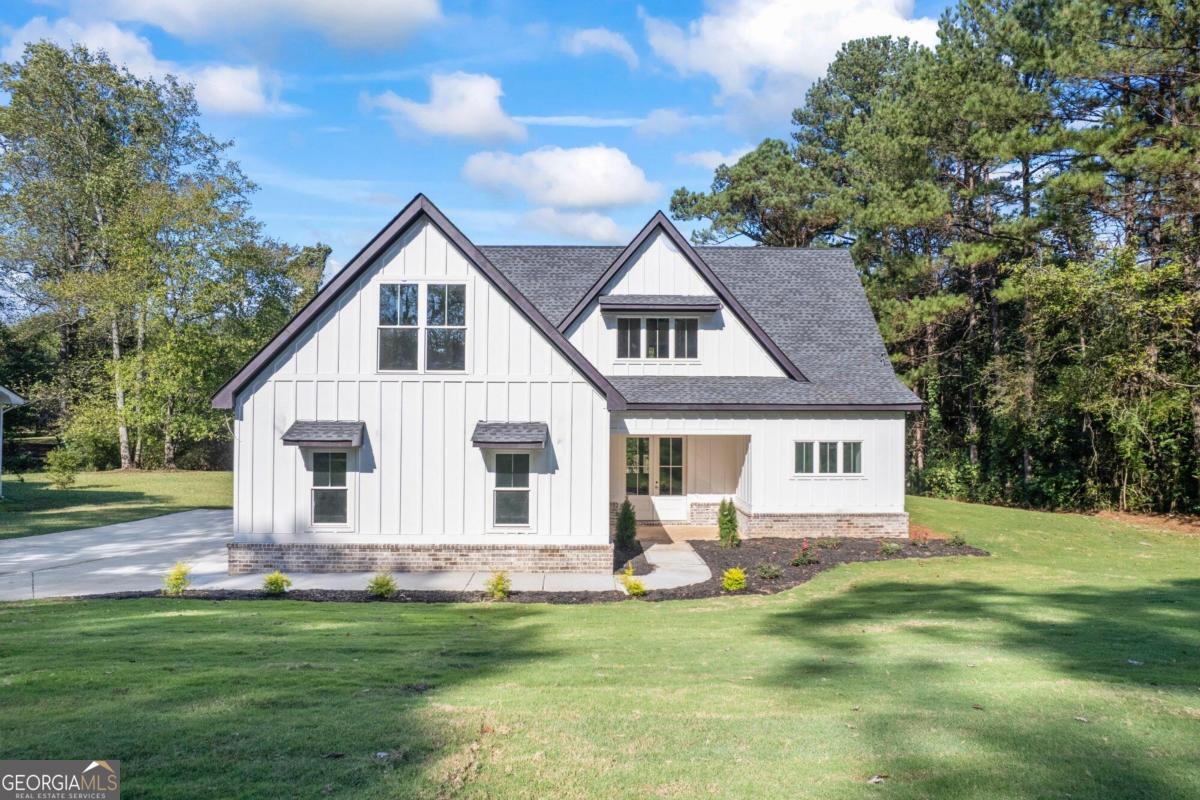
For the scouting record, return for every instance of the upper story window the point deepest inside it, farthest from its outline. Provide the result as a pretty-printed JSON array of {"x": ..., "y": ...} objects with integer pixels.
[
  {"x": 629, "y": 338},
  {"x": 658, "y": 338},
  {"x": 402, "y": 327}
]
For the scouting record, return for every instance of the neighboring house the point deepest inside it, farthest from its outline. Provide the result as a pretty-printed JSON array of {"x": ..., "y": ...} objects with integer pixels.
[
  {"x": 441, "y": 405},
  {"x": 8, "y": 399}
]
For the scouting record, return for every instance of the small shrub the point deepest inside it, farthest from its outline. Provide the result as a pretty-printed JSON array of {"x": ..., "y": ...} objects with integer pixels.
[
  {"x": 804, "y": 556},
  {"x": 829, "y": 544},
  {"x": 957, "y": 540},
  {"x": 733, "y": 579},
  {"x": 769, "y": 572},
  {"x": 177, "y": 580},
  {"x": 276, "y": 583},
  {"x": 889, "y": 548},
  {"x": 383, "y": 585},
  {"x": 626, "y": 526},
  {"x": 632, "y": 585},
  {"x": 499, "y": 586},
  {"x": 62, "y": 465},
  {"x": 727, "y": 524}
]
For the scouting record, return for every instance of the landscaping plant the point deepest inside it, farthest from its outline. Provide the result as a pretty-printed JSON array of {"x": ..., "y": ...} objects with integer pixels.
[
  {"x": 769, "y": 572},
  {"x": 499, "y": 586},
  {"x": 957, "y": 540},
  {"x": 804, "y": 556},
  {"x": 727, "y": 524},
  {"x": 733, "y": 579},
  {"x": 626, "y": 526},
  {"x": 889, "y": 548},
  {"x": 177, "y": 580},
  {"x": 829, "y": 544},
  {"x": 632, "y": 585},
  {"x": 62, "y": 465},
  {"x": 383, "y": 586},
  {"x": 276, "y": 583}
]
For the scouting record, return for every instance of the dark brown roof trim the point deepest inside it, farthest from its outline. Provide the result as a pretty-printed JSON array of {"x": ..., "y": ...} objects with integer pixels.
[
  {"x": 773, "y": 407},
  {"x": 615, "y": 302},
  {"x": 660, "y": 221},
  {"x": 420, "y": 206}
]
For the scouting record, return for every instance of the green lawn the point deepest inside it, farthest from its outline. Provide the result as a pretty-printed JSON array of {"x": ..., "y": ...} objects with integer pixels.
[
  {"x": 102, "y": 498},
  {"x": 1065, "y": 666}
]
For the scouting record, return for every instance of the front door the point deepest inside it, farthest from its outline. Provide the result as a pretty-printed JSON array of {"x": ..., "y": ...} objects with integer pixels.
[{"x": 654, "y": 478}]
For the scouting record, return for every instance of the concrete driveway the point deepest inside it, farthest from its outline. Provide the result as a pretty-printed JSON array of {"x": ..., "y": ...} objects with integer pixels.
[{"x": 130, "y": 556}]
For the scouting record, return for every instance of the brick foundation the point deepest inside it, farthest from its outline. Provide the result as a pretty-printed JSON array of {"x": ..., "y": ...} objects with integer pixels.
[
  {"x": 247, "y": 557},
  {"x": 845, "y": 526},
  {"x": 703, "y": 513}
]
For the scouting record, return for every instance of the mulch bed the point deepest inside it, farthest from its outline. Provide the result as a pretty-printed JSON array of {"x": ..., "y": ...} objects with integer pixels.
[
  {"x": 634, "y": 554},
  {"x": 754, "y": 553},
  {"x": 750, "y": 555}
]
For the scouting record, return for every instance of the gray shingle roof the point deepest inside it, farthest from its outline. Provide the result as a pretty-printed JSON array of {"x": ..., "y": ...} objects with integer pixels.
[
  {"x": 307, "y": 432},
  {"x": 809, "y": 301},
  {"x": 515, "y": 435},
  {"x": 660, "y": 301}
]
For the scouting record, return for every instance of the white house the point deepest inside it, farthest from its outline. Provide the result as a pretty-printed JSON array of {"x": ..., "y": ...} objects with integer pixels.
[{"x": 440, "y": 405}]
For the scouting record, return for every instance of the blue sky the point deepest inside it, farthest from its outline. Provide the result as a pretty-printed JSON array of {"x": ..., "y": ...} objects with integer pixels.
[{"x": 538, "y": 122}]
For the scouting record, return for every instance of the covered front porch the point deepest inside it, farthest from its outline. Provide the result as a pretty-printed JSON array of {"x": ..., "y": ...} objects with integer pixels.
[{"x": 677, "y": 480}]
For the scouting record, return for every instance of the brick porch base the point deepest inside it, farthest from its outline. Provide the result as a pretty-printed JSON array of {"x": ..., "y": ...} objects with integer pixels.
[
  {"x": 845, "y": 526},
  {"x": 247, "y": 557}
]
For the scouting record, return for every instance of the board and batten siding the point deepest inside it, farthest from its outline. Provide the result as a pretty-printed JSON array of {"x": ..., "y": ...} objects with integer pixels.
[
  {"x": 417, "y": 475},
  {"x": 767, "y": 482},
  {"x": 725, "y": 346}
]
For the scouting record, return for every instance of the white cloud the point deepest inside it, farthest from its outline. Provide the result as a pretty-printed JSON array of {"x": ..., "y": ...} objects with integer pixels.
[
  {"x": 580, "y": 121},
  {"x": 668, "y": 122},
  {"x": 220, "y": 88},
  {"x": 600, "y": 40},
  {"x": 767, "y": 51},
  {"x": 587, "y": 225},
  {"x": 578, "y": 177},
  {"x": 461, "y": 104},
  {"x": 347, "y": 22},
  {"x": 711, "y": 159}
]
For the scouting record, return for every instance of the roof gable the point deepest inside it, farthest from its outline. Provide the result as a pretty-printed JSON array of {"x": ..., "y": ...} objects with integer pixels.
[
  {"x": 659, "y": 223},
  {"x": 420, "y": 208}
]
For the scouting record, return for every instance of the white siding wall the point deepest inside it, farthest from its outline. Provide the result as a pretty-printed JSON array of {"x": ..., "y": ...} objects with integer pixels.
[
  {"x": 418, "y": 475},
  {"x": 766, "y": 483},
  {"x": 725, "y": 346}
]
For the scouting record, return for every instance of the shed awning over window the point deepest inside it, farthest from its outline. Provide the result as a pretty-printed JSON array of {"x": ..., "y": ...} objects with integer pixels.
[
  {"x": 659, "y": 302},
  {"x": 511, "y": 435},
  {"x": 324, "y": 433}
]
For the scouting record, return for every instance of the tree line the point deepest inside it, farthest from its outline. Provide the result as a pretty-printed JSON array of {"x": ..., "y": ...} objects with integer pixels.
[
  {"x": 1023, "y": 203},
  {"x": 133, "y": 281}
]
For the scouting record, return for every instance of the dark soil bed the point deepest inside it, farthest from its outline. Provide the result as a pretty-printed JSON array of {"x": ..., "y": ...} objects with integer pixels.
[
  {"x": 634, "y": 554},
  {"x": 752, "y": 554}
]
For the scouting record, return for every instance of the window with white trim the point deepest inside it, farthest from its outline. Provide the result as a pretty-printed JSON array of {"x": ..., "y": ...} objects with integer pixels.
[
  {"x": 687, "y": 333},
  {"x": 398, "y": 328},
  {"x": 629, "y": 337},
  {"x": 446, "y": 327},
  {"x": 329, "y": 493},
  {"x": 435, "y": 341},
  {"x": 804, "y": 458},
  {"x": 658, "y": 338},
  {"x": 827, "y": 461},
  {"x": 511, "y": 495},
  {"x": 851, "y": 458},
  {"x": 822, "y": 458}
]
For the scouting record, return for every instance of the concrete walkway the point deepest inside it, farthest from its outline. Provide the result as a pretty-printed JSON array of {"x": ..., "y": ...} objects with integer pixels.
[
  {"x": 675, "y": 564},
  {"x": 134, "y": 556}
]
